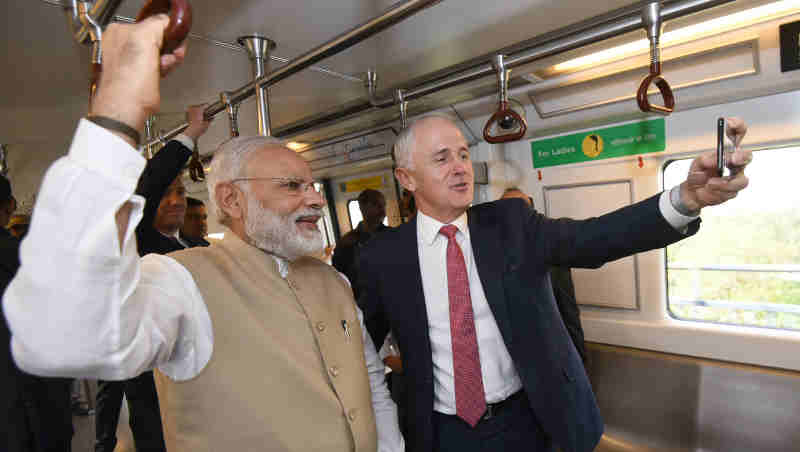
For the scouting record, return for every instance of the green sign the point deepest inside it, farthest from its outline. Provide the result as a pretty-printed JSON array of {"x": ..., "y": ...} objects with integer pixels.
[{"x": 630, "y": 139}]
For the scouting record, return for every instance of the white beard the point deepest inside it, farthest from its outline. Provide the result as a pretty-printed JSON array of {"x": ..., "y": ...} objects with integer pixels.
[{"x": 280, "y": 235}]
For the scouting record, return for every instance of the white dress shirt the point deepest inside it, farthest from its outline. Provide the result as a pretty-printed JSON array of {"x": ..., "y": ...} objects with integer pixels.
[
  {"x": 500, "y": 377},
  {"x": 83, "y": 306}
]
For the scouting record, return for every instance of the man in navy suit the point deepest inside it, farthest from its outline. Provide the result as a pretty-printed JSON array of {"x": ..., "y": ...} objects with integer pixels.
[{"x": 466, "y": 292}]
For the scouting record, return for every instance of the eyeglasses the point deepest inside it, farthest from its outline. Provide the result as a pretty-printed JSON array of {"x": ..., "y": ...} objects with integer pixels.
[{"x": 292, "y": 186}]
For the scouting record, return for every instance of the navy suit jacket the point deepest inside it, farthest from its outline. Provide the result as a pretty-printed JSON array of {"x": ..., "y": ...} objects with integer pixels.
[
  {"x": 157, "y": 176},
  {"x": 514, "y": 247}
]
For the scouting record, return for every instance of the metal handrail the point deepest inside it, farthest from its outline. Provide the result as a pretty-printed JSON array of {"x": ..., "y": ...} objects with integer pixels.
[
  {"x": 760, "y": 268},
  {"x": 747, "y": 305},
  {"x": 393, "y": 15},
  {"x": 599, "y": 28}
]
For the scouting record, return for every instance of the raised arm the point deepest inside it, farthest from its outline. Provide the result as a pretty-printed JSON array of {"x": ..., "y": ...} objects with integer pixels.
[
  {"x": 161, "y": 170},
  {"x": 72, "y": 307}
]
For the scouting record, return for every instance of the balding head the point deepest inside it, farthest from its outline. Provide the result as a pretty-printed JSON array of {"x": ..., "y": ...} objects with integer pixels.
[
  {"x": 405, "y": 142},
  {"x": 434, "y": 163}
]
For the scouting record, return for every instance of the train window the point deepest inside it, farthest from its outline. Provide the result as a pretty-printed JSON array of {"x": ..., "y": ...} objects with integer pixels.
[
  {"x": 324, "y": 224},
  {"x": 355, "y": 214},
  {"x": 743, "y": 266}
]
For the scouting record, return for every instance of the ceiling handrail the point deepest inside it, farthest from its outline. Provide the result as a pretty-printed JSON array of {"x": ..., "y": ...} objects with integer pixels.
[
  {"x": 587, "y": 32},
  {"x": 393, "y": 15}
]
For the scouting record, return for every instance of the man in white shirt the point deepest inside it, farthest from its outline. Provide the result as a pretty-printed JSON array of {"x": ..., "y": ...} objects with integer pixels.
[
  {"x": 164, "y": 206},
  {"x": 467, "y": 297},
  {"x": 252, "y": 341}
]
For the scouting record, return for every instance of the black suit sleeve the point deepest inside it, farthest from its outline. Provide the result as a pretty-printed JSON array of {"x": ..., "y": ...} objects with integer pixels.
[
  {"x": 592, "y": 242},
  {"x": 157, "y": 176}
]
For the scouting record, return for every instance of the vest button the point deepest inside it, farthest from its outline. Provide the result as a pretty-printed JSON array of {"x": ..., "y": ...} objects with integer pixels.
[
  {"x": 321, "y": 326},
  {"x": 334, "y": 370},
  {"x": 351, "y": 415}
]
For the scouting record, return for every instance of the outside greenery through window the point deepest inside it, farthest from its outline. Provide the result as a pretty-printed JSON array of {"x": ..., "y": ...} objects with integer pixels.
[{"x": 743, "y": 266}]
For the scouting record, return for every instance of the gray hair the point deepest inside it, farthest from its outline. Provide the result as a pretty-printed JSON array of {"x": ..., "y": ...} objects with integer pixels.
[
  {"x": 229, "y": 163},
  {"x": 404, "y": 143}
]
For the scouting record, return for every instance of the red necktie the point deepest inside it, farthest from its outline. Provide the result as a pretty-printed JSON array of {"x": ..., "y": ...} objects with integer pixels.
[{"x": 470, "y": 396}]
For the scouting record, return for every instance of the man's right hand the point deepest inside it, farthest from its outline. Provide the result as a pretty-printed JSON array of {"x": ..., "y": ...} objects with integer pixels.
[
  {"x": 129, "y": 85},
  {"x": 197, "y": 122}
]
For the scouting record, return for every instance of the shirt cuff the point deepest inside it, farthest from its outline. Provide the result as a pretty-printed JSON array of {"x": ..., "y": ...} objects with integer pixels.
[
  {"x": 99, "y": 150},
  {"x": 185, "y": 140},
  {"x": 673, "y": 217}
]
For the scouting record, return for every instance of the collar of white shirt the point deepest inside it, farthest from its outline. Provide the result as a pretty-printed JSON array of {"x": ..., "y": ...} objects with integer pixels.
[{"x": 428, "y": 228}]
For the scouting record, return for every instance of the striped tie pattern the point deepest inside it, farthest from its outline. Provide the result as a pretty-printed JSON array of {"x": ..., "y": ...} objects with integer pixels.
[{"x": 470, "y": 395}]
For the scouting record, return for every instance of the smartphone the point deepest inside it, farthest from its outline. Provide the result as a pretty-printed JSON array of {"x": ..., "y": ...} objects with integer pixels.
[{"x": 721, "y": 147}]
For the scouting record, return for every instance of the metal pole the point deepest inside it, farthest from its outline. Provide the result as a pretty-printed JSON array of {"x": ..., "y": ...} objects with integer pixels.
[
  {"x": 393, "y": 15},
  {"x": 603, "y": 27},
  {"x": 258, "y": 48},
  {"x": 102, "y": 12}
]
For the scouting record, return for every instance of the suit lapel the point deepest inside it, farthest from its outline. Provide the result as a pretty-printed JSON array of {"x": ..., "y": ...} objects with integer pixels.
[{"x": 489, "y": 258}]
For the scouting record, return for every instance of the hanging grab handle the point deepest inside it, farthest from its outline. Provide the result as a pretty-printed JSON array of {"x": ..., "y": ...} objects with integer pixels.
[
  {"x": 651, "y": 18},
  {"x": 505, "y": 117},
  {"x": 233, "y": 113},
  {"x": 180, "y": 20},
  {"x": 400, "y": 97}
]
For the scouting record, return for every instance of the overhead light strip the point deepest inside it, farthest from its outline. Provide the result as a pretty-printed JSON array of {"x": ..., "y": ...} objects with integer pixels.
[{"x": 711, "y": 27}]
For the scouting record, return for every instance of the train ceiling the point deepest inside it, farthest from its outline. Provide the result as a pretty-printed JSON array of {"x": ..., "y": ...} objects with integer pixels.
[{"x": 45, "y": 73}]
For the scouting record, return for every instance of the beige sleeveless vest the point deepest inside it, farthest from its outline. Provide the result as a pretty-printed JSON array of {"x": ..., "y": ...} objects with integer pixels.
[{"x": 284, "y": 375}]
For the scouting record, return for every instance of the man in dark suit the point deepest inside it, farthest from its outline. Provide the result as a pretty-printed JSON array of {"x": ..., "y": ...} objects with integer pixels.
[
  {"x": 35, "y": 412},
  {"x": 563, "y": 289},
  {"x": 466, "y": 294},
  {"x": 372, "y": 204},
  {"x": 165, "y": 206},
  {"x": 195, "y": 223}
]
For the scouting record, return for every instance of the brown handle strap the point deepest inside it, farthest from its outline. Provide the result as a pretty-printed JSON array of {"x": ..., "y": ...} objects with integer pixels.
[
  {"x": 180, "y": 20},
  {"x": 94, "y": 78},
  {"x": 666, "y": 94},
  {"x": 503, "y": 111},
  {"x": 196, "y": 170}
]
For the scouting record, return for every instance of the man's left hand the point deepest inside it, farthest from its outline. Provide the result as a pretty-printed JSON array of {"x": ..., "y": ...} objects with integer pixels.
[{"x": 703, "y": 187}]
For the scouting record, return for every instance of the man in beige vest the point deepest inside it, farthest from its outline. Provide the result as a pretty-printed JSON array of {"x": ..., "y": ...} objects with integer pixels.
[{"x": 257, "y": 348}]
